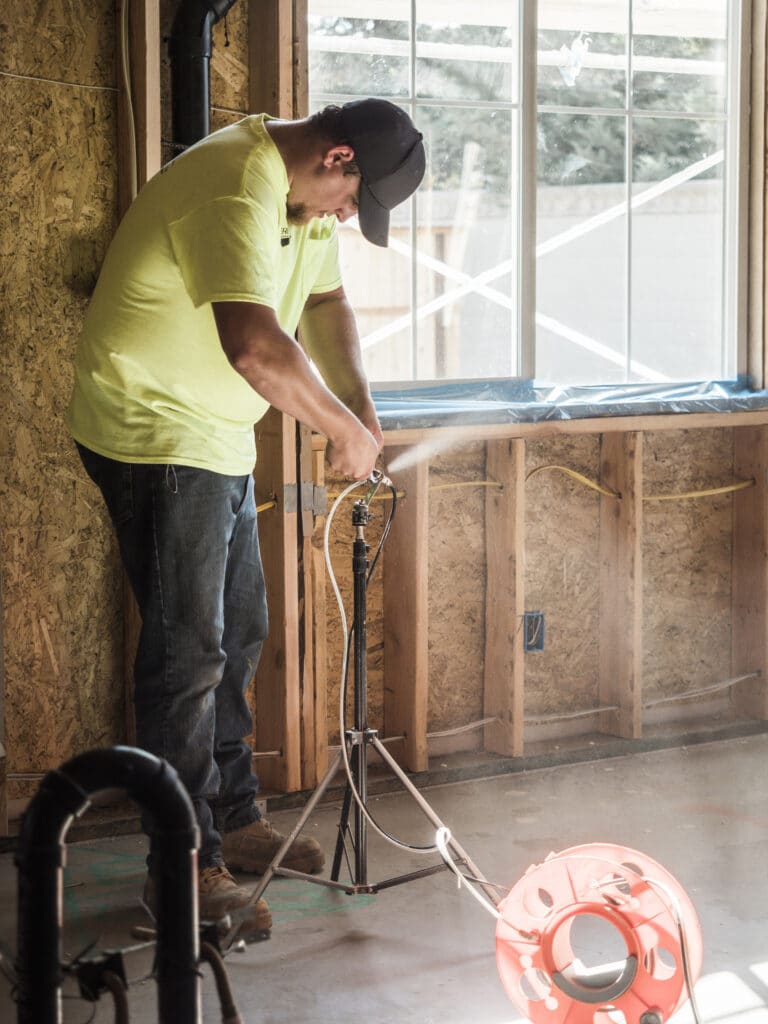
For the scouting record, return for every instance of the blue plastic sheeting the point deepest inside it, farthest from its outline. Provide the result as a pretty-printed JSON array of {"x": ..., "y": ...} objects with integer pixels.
[{"x": 515, "y": 401}]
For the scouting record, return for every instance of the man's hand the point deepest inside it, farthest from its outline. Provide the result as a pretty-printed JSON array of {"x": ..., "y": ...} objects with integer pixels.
[{"x": 354, "y": 454}]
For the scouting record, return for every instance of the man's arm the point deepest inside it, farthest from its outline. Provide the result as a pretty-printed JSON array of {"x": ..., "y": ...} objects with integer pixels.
[
  {"x": 275, "y": 366},
  {"x": 328, "y": 332}
]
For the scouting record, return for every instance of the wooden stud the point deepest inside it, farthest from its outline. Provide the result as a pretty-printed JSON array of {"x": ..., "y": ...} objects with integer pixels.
[
  {"x": 3, "y": 790},
  {"x": 447, "y": 436},
  {"x": 300, "y": 58},
  {"x": 144, "y": 48},
  {"x": 749, "y": 581},
  {"x": 306, "y": 521},
  {"x": 278, "y": 713},
  {"x": 271, "y": 56},
  {"x": 406, "y": 572},
  {"x": 3, "y": 753},
  {"x": 755, "y": 228},
  {"x": 505, "y": 597},
  {"x": 272, "y": 33},
  {"x": 620, "y": 661},
  {"x": 319, "y": 638}
]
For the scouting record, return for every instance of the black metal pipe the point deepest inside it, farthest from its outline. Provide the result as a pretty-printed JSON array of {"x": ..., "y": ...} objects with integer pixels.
[
  {"x": 40, "y": 856},
  {"x": 229, "y": 1011},
  {"x": 190, "y": 49}
]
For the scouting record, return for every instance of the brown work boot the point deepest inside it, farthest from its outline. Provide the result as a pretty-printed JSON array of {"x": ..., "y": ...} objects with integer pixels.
[
  {"x": 218, "y": 894},
  {"x": 253, "y": 849}
]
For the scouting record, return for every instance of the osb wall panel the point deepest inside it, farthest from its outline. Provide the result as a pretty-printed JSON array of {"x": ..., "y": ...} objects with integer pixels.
[
  {"x": 456, "y": 589},
  {"x": 61, "y": 604},
  {"x": 229, "y": 64},
  {"x": 63, "y": 40},
  {"x": 686, "y": 562},
  {"x": 456, "y": 595},
  {"x": 562, "y": 575}
]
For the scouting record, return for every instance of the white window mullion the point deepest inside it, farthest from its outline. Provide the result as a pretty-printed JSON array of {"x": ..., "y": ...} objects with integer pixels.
[
  {"x": 736, "y": 184},
  {"x": 753, "y": 203},
  {"x": 527, "y": 193},
  {"x": 629, "y": 158},
  {"x": 414, "y": 233}
]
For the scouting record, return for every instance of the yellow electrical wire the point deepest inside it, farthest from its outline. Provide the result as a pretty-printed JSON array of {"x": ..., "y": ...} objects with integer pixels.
[
  {"x": 576, "y": 476},
  {"x": 377, "y": 497},
  {"x": 742, "y": 485},
  {"x": 467, "y": 483},
  {"x": 726, "y": 489},
  {"x": 266, "y": 505}
]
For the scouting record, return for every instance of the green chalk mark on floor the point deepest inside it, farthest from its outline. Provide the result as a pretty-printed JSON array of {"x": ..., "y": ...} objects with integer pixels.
[
  {"x": 99, "y": 881},
  {"x": 289, "y": 900},
  {"x": 97, "y": 874}
]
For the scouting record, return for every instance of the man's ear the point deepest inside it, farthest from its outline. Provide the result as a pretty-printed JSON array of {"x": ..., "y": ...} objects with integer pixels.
[{"x": 338, "y": 155}]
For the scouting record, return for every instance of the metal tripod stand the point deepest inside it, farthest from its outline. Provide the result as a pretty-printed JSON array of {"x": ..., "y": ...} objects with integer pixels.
[{"x": 352, "y": 756}]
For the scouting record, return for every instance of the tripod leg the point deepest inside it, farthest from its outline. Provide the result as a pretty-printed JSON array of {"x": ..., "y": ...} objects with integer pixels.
[
  {"x": 274, "y": 867},
  {"x": 385, "y": 755},
  {"x": 343, "y": 827}
]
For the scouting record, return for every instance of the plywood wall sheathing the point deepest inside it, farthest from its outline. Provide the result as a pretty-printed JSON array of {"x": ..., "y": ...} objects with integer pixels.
[
  {"x": 406, "y": 617},
  {"x": 61, "y": 602},
  {"x": 562, "y": 552},
  {"x": 749, "y": 632},
  {"x": 457, "y": 573},
  {"x": 686, "y": 563},
  {"x": 229, "y": 67}
]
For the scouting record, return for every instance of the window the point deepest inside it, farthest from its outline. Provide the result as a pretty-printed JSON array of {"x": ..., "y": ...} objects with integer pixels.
[{"x": 604, "y": 167}]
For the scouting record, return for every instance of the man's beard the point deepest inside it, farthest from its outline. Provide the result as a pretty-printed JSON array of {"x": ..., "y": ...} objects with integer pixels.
[{"x": 296, "y": 213}]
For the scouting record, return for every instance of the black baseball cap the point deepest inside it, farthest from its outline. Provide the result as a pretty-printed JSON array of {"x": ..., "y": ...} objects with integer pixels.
[{"x": 390, "y": 154}]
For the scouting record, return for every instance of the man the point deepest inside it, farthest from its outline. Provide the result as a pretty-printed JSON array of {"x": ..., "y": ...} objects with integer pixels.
[{"x": 190, "y": 336}]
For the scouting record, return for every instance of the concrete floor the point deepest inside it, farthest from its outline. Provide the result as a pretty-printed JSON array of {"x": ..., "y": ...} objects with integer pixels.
[{"x": 423, "y": 953}]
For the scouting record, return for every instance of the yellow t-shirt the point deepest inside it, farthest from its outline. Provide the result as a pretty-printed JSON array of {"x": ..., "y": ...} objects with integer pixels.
[{"x": 152, "y": 382}]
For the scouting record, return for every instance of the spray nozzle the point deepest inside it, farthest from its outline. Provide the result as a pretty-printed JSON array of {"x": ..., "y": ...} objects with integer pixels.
[{"x": 378, "y": 478}]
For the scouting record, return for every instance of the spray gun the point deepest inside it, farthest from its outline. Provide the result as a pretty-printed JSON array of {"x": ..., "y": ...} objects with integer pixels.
[
  {"x": 376, "y": 479},
  {"x": 360, "y": 510}
]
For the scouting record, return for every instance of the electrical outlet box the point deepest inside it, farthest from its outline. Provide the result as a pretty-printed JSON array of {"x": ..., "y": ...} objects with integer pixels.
[{"x": 533, "y": 631}]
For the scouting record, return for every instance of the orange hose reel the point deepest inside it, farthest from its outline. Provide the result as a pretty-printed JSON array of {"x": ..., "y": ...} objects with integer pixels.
[{"x": 534, "y": 953}]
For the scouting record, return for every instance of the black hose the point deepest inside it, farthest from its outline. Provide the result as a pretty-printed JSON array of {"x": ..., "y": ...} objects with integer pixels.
[
  {"x": 229, "y": 1011},
  {"x": 116, "y": 986}
]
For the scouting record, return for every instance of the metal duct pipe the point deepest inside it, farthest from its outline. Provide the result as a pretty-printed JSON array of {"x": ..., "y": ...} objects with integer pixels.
[
  {"x": 190, "y": 53},
  {"x": 40, "y": 857}
]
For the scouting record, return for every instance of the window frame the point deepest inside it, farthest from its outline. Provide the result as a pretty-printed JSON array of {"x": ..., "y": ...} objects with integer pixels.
[{"x": 744, "y": 301}]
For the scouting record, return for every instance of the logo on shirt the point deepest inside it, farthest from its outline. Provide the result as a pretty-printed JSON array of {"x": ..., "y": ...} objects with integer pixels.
[{"x": 285, "y": 236}]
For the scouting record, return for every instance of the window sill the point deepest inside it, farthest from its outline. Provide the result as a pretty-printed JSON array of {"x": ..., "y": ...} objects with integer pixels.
[{"x": 512, "y": 407}]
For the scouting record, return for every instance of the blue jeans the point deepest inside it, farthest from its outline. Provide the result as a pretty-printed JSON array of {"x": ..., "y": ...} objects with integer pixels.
[{"x": 190, "y": 547}]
